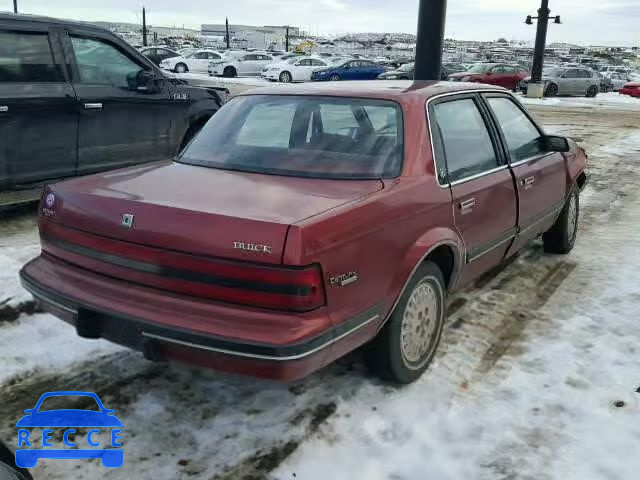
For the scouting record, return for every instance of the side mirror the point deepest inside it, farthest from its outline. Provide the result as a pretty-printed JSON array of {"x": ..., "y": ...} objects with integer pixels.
[
  {"x": 144, "y": 81},
  {"x": 552, "y": 143}
]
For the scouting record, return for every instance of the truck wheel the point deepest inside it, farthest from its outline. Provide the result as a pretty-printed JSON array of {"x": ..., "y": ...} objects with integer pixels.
[
  {"x": 181, "y": 68},
  {"x": 406, "y": 345},
  {"x": 551, "y": 91},
  {"x": 592, "y": 91},
  {"x": 230, "y": 72},
  {"x": 562, "y": 236}
]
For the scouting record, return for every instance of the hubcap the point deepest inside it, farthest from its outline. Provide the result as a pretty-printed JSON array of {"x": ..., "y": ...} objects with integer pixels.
[
  {"x": 572, "y": 217},
  {"x": 419, "y": 323},
  {"x": 285, "y": 77}
]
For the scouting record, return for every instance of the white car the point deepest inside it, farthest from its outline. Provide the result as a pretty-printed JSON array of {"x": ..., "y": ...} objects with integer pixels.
[
  {"x": 296, "y": 69},
  {"x": 196, "y": 61},
  {"x": 618, "y": 80},
  {"x": 245, "y": 64}
]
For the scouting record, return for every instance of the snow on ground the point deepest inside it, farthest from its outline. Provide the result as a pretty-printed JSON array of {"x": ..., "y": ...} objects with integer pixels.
[
  {"x": 532, "y": 364},
  {"x": 610, "y": 100}
]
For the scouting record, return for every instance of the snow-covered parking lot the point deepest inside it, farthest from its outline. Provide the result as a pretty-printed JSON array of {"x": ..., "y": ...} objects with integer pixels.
[{"x": 538, "y": 375}]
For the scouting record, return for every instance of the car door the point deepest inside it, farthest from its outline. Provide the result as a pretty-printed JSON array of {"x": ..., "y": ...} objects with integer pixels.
[
  {"x": 119, "y": 123},
  {"x": 38, "y": 112},
  {"x": 316, "y": 63},
  {"x": 568, "y": 83},
  {"x": 540, "y": 175},
  {"x": 199, "y": 62},
  {"x": 301, "y": 70},
  {"x": 585, "y": 80},
  {"x": 247, "y": 64},
  {"x": 163, "y": 54},
  {"x": 470, "y": 163},
  {"x": 496, "y": 76},
  {"x": 351, "y": 70}
]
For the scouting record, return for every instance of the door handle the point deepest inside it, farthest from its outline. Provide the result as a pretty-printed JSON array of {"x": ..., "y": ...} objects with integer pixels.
[
  {"x": 93, "y": 106},
  {"x": 467, "y": 205},
  {"x": 4, "y": 108},
  {"x": 528, "y": 182}
]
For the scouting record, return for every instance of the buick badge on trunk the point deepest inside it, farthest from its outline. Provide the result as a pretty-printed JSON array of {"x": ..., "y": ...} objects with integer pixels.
[{"x": 251, "y": 247}]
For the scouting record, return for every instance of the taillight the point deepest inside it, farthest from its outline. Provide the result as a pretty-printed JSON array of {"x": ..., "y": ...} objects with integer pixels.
[{"x": 298, "y": 289}]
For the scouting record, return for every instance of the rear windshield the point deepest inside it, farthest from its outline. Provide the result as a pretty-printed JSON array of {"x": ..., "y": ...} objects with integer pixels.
[{"x": 302, "y": 136}]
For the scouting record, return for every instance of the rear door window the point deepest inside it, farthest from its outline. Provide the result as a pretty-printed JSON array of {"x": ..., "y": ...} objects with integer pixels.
[
  {"x": 27, "y": 58},
  {"x": 466, "y": 145}
]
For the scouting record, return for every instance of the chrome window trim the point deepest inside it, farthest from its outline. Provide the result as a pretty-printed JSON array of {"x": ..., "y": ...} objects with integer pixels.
[
  {"x": 478, "y": 175},
  {"x": 531, "y": 159},
  {"x": 433, "y": 152}
]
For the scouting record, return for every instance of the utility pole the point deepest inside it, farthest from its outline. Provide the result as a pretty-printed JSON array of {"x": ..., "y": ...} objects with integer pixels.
[
  {"x": 144, "y": 27},
  {"x": 536, "y": 85},
  {"x": 15, "y": 6},
  {"x": 431, "y": 20},
  {"x": 286, "y": 40},
  {"x": 227, "y": 35}
]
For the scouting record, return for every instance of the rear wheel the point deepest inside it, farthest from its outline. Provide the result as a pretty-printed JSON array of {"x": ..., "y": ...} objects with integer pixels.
[
  {"x": 592, "y": 91},
  {"x": 285, "y": 77},
  {"x": 406, "y": 345},
  {"x": 181, "y": 68},
  {"x": 562, "y": 236},
  {"x": 551, "y": 91},
  {"x": 230, "y": 72},
  {"x": 335, "y": 77}
]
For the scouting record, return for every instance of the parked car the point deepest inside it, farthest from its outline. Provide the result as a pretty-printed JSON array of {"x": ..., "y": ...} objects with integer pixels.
[
  {"x": 631, "y": 88},
  {"x": 349, "y": 70},
  {"x": 606, "y": 84},
  {"x": 567, "y": 81},
  {"x": 297, "y": 69},
  {"x": 405, "y": 72},
  {"x": 247, "y": 64},
  {"x": 618, "y": 80},
  {"x": 158, "y": 54},
  {"x": 499, "y": 74},
  {"x": 337, "y": 224},
  {"x": 196, "y": 61},
  {"x": 111, "y": 107}
]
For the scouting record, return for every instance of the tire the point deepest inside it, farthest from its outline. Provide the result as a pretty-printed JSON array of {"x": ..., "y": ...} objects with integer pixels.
[
  {"x": 562, "y": 236},
  {"x": 551, "y": 91},
  {"x": 181, "y": 68},
  {"x": 392, "y": 355},
  {"x": 230, "y": 72},
  {"x": 285, "y": 77},
  {"x": 592, "y": 91},
  {"x": 335, "y": 77}
]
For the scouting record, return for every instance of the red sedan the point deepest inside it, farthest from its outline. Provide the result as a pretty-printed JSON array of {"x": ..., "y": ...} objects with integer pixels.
[
  {"x": 297, "y": 227},
  {"x": 501, "y": 75},
  {"x": 631, "y": 88}
]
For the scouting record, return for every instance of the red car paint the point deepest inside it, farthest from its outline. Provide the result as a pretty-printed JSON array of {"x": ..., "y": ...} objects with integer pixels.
[
  {"x": 631, "y": 88},
  {"x": 150, "y": 286},
  {"x": 498, "y": 78}
]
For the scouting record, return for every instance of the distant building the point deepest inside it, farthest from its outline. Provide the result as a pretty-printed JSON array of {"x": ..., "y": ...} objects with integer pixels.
[{"x": 250, "y": 36}]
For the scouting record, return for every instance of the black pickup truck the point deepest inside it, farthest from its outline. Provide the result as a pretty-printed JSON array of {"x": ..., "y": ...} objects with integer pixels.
[{"x": 76, "y": 99}]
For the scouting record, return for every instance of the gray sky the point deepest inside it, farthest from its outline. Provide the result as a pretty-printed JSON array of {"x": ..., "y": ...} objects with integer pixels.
[{"x": 585, "y": 21}]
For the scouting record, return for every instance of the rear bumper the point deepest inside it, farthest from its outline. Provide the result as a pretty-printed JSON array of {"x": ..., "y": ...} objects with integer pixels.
[{"x": 241, "y": 340}]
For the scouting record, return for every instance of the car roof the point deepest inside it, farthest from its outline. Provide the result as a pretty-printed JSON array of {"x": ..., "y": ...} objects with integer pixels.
[
  {"x": 381, "y": 89},
  {"x": 22, "y": 17}
]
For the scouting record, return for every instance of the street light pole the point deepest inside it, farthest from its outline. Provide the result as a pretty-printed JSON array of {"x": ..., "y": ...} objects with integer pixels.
[
  {"x": 541, "y": 41},
  {"x": 286, "y": 40},
  {"x": 144, "y": 27},
  {"x": 227, "y": 33},
  {"x": 431, "y": 19},
  {"x": 15, "y": 6}
]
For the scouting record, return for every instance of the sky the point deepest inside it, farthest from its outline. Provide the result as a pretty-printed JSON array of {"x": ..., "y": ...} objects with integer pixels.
[{"x": 603, "y": 22}]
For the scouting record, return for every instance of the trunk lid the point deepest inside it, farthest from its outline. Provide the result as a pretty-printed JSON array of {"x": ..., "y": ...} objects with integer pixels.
[{"x": 198, "y": 210}]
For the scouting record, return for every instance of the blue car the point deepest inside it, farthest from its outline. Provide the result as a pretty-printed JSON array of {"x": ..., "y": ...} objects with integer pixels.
[
  {"x": 67, "y": 419},
  {"x": 348, "y": 70}
]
